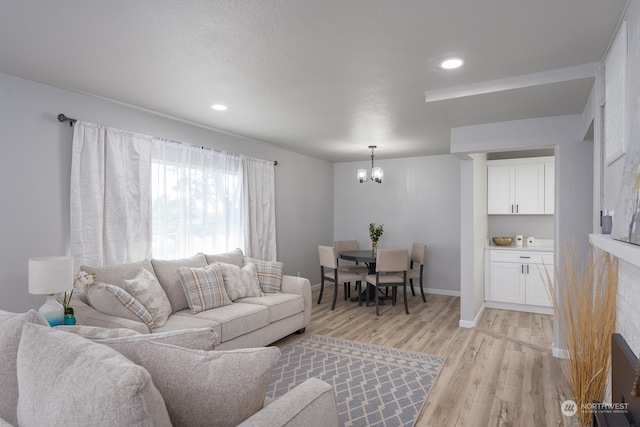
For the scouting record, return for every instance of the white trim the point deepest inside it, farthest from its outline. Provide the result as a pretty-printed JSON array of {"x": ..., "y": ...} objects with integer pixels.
[
  {"x": 517, "y": 82},
  {"x": 441, "y": 292},
  {"x": 623, "y": 250},
  {"x": 560, "y": 353},
  {"x": 519, "y": 307},
  {"x": 472, "y": 324}
]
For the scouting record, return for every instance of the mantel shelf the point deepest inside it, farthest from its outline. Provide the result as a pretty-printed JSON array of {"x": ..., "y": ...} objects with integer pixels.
[{"x": 622, "y": 250}]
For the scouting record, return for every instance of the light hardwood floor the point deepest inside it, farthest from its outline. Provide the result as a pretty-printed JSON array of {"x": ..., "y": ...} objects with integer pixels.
[{"x": 501, "y": 373}]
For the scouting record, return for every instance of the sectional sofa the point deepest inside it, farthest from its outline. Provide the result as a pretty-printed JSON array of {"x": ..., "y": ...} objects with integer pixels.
[{"x": 91, "y": 376}]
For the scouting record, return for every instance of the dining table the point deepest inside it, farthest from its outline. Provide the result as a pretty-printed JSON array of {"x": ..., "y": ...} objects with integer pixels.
[{"x": 368, "y": 257}]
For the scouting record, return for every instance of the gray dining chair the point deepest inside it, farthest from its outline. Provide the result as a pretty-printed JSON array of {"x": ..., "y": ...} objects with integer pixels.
[
  {"x": 391, "y": 271},
  {"x": 329, "y": 272},
  {"x": 418, "y": 258}
]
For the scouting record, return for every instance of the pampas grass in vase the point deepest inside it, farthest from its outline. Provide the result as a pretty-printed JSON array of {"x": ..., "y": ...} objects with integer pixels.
[{"x": 584, "y": 303}]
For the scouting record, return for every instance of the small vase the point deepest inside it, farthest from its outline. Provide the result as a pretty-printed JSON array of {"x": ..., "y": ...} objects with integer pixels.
[
  {"x": 374, "y": 247},
  {"x": 69, "y": 316}
]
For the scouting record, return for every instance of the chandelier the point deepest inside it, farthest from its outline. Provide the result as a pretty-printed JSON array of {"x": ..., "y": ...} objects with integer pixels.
[{"x": 376, "y": 172}]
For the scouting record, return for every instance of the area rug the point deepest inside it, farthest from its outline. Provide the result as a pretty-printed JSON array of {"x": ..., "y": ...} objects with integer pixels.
[{"x": 375, "y": 386}]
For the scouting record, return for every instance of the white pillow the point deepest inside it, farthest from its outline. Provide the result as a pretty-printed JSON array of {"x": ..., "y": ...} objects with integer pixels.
[
  {"x": 11, "y": 326},
  {"x": 241, "y": 282},
  {"x": 194, "y": 338},
  {"x": 65, "y": 379},
  {"x": 145, "y": 288},
  {"x": 206, "y": 388}
]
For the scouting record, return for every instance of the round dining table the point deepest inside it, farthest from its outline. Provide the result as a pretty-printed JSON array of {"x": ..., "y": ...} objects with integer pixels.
[{"x": 368, "y": 257}]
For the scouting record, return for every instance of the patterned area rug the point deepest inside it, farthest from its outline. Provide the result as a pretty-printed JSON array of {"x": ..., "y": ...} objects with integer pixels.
[{"x": 375, "y": 386}]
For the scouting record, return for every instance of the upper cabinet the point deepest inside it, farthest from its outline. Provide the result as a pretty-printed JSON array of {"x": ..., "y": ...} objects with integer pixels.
[{"x": 520, "y": 186}]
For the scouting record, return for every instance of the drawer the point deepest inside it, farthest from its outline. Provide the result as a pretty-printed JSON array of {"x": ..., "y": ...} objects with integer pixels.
[{"x": 522, "y": 257}]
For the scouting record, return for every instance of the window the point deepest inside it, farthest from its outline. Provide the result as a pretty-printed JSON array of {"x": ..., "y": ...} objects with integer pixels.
[{"x": 196, "y": 200}]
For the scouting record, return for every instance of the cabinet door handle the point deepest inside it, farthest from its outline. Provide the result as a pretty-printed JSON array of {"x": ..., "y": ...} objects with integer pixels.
[
  {"x": 527, "y": 268},
  {"x": 524, "y": 256},
  {"x": 511, "y": 208},
  {"x": 517, "y": 208},
  {"x": 522, "y": 268}
]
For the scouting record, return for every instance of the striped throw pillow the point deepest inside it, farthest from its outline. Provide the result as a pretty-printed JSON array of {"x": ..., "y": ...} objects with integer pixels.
[
  {"x": 122, "y": 297},
  {"x": 203, "y": 287}
]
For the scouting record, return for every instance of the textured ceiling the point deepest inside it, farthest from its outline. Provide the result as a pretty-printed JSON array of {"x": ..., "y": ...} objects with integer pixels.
[{"x": 324, "y": 78}]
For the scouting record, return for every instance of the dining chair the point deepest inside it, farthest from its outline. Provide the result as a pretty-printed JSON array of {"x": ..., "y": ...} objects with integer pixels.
[
  {"x": 391, "y": 271},
  {"x": 348, "y": 266},
  {"x": 418, "y": 258},
  {"x": 329, "y": 272}
]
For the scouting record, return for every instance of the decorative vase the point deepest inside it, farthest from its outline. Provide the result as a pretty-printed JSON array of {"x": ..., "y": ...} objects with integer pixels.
[
  {"x": 374, "y": 247},
  {"x": 69, "y": 316}
]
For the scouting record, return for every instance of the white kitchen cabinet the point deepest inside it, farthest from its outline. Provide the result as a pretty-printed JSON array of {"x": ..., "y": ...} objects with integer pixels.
[
  {"x": 519, "y": 186},
  {"x": 516, "y": 279}
]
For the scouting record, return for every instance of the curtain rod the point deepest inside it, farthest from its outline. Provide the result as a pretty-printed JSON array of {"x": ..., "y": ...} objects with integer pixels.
[{"x": 62, "y": 118}]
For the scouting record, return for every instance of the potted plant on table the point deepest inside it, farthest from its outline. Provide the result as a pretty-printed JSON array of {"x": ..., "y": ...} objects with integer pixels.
[{"x": 375, "y": 232}]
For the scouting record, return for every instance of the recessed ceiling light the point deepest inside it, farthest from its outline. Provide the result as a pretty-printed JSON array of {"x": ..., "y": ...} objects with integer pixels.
[
  {"x": 451, "y": 63},
  {"x": 219, "y": 107}
]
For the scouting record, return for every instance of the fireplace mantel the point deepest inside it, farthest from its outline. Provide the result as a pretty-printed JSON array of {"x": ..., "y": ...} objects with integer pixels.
[{"x": 622, "y": 250}]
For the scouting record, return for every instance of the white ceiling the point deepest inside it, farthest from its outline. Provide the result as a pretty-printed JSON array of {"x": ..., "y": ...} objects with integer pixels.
[{"x": 326, "y": 78}]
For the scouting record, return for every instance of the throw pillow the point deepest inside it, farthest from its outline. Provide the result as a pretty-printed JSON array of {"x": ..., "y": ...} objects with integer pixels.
[
  {"x": 165, "y": 271},
  {"x": 234, "y": 257},
  {"x": 203, "y": 287},
  {"x": 116, "y": 301},
  {"x": 97, "y": 332},
  {"x": 116, "y": 274},
  {"x": 240, "y": 282},
  {"x": 194, "y": 339},
  {"x": 109, "y": 390},
  {"x": 11, "y": 326},
  {"x": 221, "y": 388},
  {"x": 269, "y": 274},
  {"x": 146, "y": 289}
]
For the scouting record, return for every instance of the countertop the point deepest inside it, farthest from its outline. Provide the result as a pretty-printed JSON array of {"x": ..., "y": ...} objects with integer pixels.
[{"x": 542, "y": 245}]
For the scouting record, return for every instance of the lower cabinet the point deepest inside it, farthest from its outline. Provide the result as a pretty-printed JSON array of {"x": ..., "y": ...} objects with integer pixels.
[{"x": 517, "y": 280}]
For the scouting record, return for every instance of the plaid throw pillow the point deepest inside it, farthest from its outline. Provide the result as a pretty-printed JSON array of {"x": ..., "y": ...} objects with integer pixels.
[
  {"x": 129, "y": 302},
  {"x": 240, "y": 282},
  {"x": 203, "y": 287},
  {"x": 146, "y": 289},
  {"x": 269, "y": 274}
]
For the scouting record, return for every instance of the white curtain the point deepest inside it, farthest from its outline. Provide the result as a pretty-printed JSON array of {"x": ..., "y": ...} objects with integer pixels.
[
  {"x": 110, "y": 195},
  {"x": 197, "y": 200},
  {"x": 259, "y": 209}
]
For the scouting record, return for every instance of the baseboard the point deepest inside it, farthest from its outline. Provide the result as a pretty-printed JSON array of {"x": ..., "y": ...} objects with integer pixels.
[
  {"x": 439, "y": 291},
  {"x": 472, "y": 324},
  {"x": 560, "y": 353}
]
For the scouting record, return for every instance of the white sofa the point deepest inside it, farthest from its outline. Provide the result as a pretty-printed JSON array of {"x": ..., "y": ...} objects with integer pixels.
[
  {"x": 79, "y": 375},
  {"x": 248, "y": 322}
]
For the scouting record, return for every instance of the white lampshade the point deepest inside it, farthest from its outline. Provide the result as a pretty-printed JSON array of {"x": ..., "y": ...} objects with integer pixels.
[
  {"x": 50, "y": 275},
  {"x": 361, "y": 175},
  {"x": 377, "y": 174}
]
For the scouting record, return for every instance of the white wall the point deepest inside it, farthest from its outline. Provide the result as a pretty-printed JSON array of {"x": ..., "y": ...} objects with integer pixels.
[
  {"x": 419, "y": 201},
  {"x": 539, "y": 226},
  {"x": 628, "y": 317},
  {"x": 565, "y": 132},
  {"x": 35, "y": 159}
]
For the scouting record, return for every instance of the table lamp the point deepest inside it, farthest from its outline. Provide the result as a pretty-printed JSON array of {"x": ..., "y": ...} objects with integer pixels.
[{"x": 50, "y": 275}]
